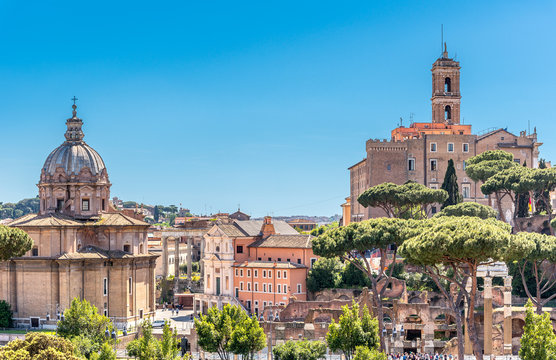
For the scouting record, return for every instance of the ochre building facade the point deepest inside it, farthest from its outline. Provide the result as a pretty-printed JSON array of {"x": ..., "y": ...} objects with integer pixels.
[{"x": 83, "y": 248}]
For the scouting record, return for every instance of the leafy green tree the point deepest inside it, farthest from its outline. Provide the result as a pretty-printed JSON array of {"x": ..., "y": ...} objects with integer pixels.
[
  {"x": 463, "y": 244},
  {"x": 248, "y": 338},
  {"x": 541, "y": 182},
  {"x": 300, "y": 350},
  {"x": 450, "y": 185},
  {"x": 214, "y": 330},
  {"x": 522, "y": 202},
  {"x": 106, "y": 353},
  {"x": 410, "y": 200},
  {"x": 364, "y": 353},
  {"x": 508, "y": 182},
  {"x": 146, "y": 347},
  {"x": 169, "y": 343},
  {"x": 14, "y": 242},
  {"x": 540, "y": 198},
  {"x": 352, "y": 276},
  {"x": 350, "y": 243},
  {"x": 538, "y": 341},
  {"x": 38, "y": 346},
  {"x": 6, "y": 314},
  {"x": 156, "y": 213},
  {"x": 325, "y": 274},
  {"x": 485, "y": 165},
  {"x": 323, "y": 228},
  {"x": 355, "y": 328},
  {"x": 538, "y": 251},
  {"x": 468, "y": 209},
  {"x": 82, "y": 319}
]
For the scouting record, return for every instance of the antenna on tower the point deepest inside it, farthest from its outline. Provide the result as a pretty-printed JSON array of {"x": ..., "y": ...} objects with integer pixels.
[
  {"x": 401, "y": 121},
  {"x": 411, "y": 118},
  {"x": 441, "y": 38},
  {"x": 529, "y": 126}
]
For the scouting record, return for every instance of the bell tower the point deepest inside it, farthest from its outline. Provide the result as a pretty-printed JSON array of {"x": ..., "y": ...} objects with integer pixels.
[{"x": 446, "y": 98}]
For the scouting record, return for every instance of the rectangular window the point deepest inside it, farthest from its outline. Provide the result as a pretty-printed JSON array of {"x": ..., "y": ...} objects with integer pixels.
[
  {"x": 433, "y": 164},
  {"x": 241, "y": 272},
  {"x": 279, "y": 259},
  {"x": 411, "y": 164},
  {"x": 285, "y": 274},
  {"x": 236, "y": 272},
  {"x": 278, "y": 274},
  {"x": 85, "y": 205},
  {"x": 450, "y": 147},
  {"x": 299, "y": 288},
  {"x": 59, "y": 204},
  {"x": 256, "y": 286},
  {"x": 299, "y": 261},
  {"x": 248, "y": 286},
  {"x": 269, "y": 259},
  {"x": 270, "y": 274},
  {"x": 239, "y": 249},
  {"x": 105, "y": 286},
  {"x": 241, "y": 285},
  {"x": 264, "y": 273},
  {"x": 103, "y": 205},
  {"x": 313, "y": 261},
  {"x": 105, "y": 312},
  {"x": 433, "y": 147},
  {"x": 130, "y": 285},
  {"x": 269, "y": 288},
  {"x": 433, "y": 210},
  {"x": 259, "y": 259},
  {"x": 248, "y": 273},
  {"x": 466, "y": 190},
  {"x": 255, "y": 273},
  {"x": 278, "y": 288},
  {"x": 264, "y": 304},
  {"x": 464, "y": 165},
  {"x": 264, "y": 287},
  {"x": 465, "y": 147}
]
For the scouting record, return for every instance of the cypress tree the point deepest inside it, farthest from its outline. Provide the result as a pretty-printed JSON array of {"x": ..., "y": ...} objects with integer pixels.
[
  {"x": 522, "y": 201},
  {"x": 450, "y": 184}
]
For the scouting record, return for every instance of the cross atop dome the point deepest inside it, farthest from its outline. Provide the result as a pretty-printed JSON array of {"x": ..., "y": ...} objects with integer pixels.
[{"x": 74, "y": 124}]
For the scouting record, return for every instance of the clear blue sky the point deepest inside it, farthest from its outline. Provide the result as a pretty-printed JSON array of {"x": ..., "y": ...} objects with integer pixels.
[{"x": 263, "y": 104}]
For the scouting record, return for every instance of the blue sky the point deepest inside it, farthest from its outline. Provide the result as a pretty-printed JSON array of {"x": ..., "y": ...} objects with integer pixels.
[{"x": 263, "y": 104}]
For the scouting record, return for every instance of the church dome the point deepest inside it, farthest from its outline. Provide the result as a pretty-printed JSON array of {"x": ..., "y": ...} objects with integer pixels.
[
  {"x": 74, "y": 154},
  {"x": 72, "y": 157}
]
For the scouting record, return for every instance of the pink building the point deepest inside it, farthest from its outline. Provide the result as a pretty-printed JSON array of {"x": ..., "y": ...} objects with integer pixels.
[{"x": 255, "y": 263}]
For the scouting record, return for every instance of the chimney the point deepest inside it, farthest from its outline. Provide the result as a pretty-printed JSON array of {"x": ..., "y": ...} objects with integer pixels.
[{"x": 268, "y": 228}]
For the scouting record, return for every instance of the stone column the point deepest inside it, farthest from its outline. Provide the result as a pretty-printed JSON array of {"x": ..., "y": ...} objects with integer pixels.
[
  {"x": 177, "y": 258},
  {"x": 164, "y": 256},
  {"x": 468, "y": 347},
  {"x": 189, "y": 259},
  {"x": 508, "y": 315},
  {"x": 487, "y": 295}
]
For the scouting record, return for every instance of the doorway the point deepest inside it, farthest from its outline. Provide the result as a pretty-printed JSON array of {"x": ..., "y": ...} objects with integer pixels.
[{"x": 35, "y": 322}]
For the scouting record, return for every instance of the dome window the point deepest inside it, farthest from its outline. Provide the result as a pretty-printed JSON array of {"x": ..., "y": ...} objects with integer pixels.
[{"x": 85, "y": 205}]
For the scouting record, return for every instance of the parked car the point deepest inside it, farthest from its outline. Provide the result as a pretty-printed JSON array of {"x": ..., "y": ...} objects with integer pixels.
[{"x": 158, "y": 323}]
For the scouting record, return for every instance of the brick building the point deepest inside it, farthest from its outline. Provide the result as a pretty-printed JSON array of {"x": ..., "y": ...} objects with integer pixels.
[{"x": 421, "y": 151}]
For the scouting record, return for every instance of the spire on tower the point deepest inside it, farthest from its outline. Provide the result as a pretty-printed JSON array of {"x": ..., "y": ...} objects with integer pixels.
[{"x": 74, "y": 124}]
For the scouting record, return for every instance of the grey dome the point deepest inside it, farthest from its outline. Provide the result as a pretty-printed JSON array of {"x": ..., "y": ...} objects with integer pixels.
[{"x": 72, "y": 157}]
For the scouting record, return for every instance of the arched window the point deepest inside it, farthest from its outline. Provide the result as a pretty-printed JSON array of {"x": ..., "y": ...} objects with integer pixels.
[
  {"x": 35, "y": 251},
  {"x": 140, "y": 248},
  {"x": 447, "y": 113},
  {"x": 447, "y": 85},
  {"x": 218, "y": 249}
]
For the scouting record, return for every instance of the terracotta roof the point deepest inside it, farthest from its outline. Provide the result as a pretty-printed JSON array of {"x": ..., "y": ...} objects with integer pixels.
[
  {"x": 301, "y": 221},
  {"x": 93, "y": 252},
  {"x": 108, "y": 219},
  {"x": 284, "y": 241},
  {"x": 270, "y": 264}
]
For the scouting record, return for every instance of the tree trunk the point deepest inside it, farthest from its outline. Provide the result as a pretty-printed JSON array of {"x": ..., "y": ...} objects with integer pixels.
[
  {"x": 379, "y": 313},
  {"x": 473, "y": 334},
  {"x": 459, "y": 333},
  {"x": 499, "y": 205}
]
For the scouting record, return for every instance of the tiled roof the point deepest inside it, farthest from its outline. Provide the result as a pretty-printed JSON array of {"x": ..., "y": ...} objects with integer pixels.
[
  {"x": 270, "y": 265},
  {"x": 253, "y": 227},
  {"x": 108, "y": 219},
  {"x": 284, "y": 241},
  {"x": 93, "y": 252},
  {"x": 231, "y": 230}
]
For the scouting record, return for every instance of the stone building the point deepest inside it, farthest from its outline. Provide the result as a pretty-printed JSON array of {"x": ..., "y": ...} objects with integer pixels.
[
  {"x": 421, "y": 151},
  {"x": 83, "y": 248}
]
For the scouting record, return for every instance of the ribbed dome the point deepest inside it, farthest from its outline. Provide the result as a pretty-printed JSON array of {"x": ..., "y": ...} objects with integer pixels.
[{"x": 72, "y": 157}]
